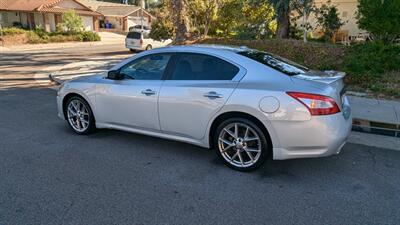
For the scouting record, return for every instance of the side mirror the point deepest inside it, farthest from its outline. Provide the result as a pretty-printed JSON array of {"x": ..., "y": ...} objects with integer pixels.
[{"x": 114, "y": 75}]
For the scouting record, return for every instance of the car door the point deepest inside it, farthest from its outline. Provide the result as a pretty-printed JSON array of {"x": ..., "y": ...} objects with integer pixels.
[
  {"x": 196, "y": 88},
  {"x": 132, "y": 101}
]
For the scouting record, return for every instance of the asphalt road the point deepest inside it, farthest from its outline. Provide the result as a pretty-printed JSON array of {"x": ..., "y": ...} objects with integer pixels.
[{"x": 49, "y": 175}]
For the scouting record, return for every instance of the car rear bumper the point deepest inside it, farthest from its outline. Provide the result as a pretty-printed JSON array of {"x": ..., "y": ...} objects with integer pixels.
[
  {"x": 321, "y": 136},
  {"x": 135, "y": 47}
]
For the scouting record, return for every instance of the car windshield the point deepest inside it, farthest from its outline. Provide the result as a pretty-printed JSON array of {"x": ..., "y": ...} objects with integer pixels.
[
  {"x": 134, "y": 35},
  {"x": 281, "y": 64}
]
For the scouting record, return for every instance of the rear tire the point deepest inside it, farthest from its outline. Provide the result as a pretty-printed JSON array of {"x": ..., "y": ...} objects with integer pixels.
[
  {"x": 79, "y": 116},
  {"x": 132, "y": 50},
  {"x": 241, "y": 144}
]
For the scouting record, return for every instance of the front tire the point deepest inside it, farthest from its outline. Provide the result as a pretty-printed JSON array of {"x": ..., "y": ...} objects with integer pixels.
[
  {"x": 79, "y": 116},
  {"x": 241, "y": 144},
  {"x": 149, "y": 47}
]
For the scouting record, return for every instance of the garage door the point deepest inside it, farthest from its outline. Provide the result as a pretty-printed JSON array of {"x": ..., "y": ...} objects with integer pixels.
[{"x": 87, "y": 22}]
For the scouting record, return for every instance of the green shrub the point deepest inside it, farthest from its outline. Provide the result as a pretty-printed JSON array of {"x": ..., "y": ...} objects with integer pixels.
[
  {"x": 61, "y": 38},
  {"x": 72, "y": 22},
  {"x": 161, "y": 30},
  {"x": 380, "y": 18},
  {"x": 367, "y": 62},
  {"x": 12, "y": 31},
  {"x": 89, "y": 36}
]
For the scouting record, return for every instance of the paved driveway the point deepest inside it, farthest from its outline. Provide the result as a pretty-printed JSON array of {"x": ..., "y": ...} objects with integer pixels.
[{"x": 51, "y": 176}]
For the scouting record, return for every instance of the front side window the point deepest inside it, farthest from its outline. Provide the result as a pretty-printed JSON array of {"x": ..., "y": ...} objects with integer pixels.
[
  {"x": 149, "y": 67},
  {"x": 191, "y": 66},
  {"x": 281, "y": 64}
]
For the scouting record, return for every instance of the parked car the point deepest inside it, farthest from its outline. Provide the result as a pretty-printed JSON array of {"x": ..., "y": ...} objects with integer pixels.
[
  {"x": 136, "y": 40},
  {"x": 246, "y": 104},
  {"x": 138, "y": 27}
]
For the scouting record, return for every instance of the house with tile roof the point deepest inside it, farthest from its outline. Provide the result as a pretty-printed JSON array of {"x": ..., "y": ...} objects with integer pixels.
[
  {"x": 120, "y": 16},
  {"x": 45, "y": 13},
  {"x": 94, "y": 14}
]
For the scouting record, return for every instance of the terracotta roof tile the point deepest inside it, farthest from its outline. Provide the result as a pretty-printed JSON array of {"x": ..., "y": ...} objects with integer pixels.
[
  {"x": 117, "y": 10},
  {"x": 25, "y": 5},
  {"x": 94, "y": 5},
  {"x": 77, "y": 11}
]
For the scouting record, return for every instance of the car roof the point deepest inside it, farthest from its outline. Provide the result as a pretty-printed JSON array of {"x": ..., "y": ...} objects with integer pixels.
[{"x": 206, "y": 47}]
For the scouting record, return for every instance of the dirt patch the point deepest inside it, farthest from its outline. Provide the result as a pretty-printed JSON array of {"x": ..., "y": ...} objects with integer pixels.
[{"x": 17, "y": 39}]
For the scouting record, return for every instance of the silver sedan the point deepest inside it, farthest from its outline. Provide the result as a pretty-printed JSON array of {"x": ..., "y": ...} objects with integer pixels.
[{"x": 246, "y": 104}]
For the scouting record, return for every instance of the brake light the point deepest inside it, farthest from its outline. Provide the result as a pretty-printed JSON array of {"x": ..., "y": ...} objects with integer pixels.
[
  {"x": 141, "y": 41},
  {"x": 316, "y": 104}
]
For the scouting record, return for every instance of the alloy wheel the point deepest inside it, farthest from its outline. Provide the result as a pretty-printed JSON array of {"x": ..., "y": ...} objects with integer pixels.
[
  {"x": 239, "y": 145},
  {"x": 78, "y": 115}
]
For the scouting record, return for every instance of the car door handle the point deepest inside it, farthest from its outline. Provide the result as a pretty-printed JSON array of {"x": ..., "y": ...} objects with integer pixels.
[
  {"x": 212, "y": 94},
  {"x": 148, "y": 92}
]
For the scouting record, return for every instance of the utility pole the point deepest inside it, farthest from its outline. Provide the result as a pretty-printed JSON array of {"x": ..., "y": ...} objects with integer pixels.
[{"x": 142, "y": 6}]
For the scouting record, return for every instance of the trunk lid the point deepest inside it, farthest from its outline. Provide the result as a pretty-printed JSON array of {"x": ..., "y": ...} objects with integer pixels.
[{"x": 334, "y": 79}]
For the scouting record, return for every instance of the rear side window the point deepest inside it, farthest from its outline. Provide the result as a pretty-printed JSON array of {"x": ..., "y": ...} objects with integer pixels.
[
  {"x": 191, "y": 66},
  {"x": 134, "y": 35},
  {"x": 281, "y": 64}
]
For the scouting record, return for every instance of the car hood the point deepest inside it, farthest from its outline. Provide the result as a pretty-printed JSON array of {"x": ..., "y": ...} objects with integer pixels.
[{"x": 90, "y": 78}]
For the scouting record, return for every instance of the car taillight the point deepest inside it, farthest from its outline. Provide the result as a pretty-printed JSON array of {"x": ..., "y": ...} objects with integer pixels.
[
  {"x": 141, "y": 41},
  {"x": 316, "y": 104}
]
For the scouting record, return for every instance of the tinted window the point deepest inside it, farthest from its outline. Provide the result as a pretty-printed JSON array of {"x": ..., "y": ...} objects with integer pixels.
[
  {"x": 149, "y": 67},
  {"x": 281, "y": 64},
  {"x": 133, "y": 35},
  {"x": 203, "y": 67}
]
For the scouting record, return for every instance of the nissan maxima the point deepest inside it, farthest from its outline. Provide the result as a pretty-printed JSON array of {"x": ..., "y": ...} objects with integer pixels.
[{"x": 246, "y": 104}]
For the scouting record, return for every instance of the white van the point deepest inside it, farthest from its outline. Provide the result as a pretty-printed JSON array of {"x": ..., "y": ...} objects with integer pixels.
[{"x": 136, "y": 40}]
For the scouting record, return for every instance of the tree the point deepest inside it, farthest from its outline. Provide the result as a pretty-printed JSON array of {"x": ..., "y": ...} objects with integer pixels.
[
  {"x": 380, "y": 18},
  {"x": 303, "y": 9},
  {"x": 202, "y": 14},
  {"x": 180, "y": 20},
  {"x": 258, "y": 19},
  {"x": 229, "y": 17},
  {"x": 161, "y": 30},
  {"x": 72, "y": 22},
  {"x": 328, "y": 19},
  {"x": 282, "y": 10}
]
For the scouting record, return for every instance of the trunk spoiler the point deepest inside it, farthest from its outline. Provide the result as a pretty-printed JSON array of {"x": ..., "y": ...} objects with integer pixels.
[{"x": 327, "y": 77}]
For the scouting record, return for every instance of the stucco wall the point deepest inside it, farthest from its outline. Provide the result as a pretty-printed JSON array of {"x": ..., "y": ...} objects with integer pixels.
[
  {"x": 117, "y": 22},
  {"x": 39, "y": 19},
  {"x": 347, "y": 10},
  {"x": 10, "y": 17},
  {"x": 51, "y": 22},
  {"x": 24, "y": 19}
]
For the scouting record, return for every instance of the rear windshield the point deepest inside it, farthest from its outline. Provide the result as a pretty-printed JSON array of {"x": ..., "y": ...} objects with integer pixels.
[
  {"x": 134, "y": 35},
  {"x": 281, "y": 64}
]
